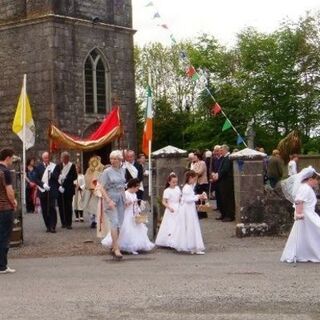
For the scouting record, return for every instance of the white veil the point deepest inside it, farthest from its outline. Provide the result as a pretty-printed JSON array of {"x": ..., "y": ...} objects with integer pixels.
[{"x": 290, "y": 186}]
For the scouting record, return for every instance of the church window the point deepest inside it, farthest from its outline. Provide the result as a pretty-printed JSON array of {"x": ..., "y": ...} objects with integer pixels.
[{"x": 96, "y": 77}]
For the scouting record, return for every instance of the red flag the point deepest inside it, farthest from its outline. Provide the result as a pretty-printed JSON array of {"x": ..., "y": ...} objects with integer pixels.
[
  {"x": 216, "y": 109},
  {"x": 191, "y": 71}
]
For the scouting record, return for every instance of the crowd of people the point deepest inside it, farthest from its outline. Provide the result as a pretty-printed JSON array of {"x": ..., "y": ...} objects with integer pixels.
[{"x": 112, "y": 196}]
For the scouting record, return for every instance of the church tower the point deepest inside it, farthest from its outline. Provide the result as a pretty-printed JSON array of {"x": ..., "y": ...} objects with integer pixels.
[{"x": 78, "y": 56}]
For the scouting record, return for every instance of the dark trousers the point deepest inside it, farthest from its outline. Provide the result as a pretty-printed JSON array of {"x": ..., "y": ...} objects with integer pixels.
[
  {"x": 65, "y": 208},
  {"x": 273, "y": 181},
  {"x": 226, "y": 196},
  {"x": 78, "y": 213},
  {"x": 139, "y": 194},
  {"x": 29, "y": 200},
  {"x": 6, "y": 224},
  {"x": 48, "y": 208}
]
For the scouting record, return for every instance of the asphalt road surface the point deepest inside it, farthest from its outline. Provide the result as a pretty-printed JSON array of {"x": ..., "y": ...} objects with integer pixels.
[{"x": 69, "y": 276}]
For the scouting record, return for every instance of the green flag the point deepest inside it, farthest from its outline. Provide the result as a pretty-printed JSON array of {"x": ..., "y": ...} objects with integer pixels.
[{"x": 227, "y": 125}]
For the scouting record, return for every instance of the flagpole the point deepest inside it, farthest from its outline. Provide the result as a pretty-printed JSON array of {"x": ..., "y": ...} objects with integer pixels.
[
  {"x": 150, "y": 166},
  {"x": 23, "y": 191}
]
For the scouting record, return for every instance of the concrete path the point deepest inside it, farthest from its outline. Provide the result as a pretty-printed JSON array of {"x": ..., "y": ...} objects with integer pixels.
[{"x": 236, "y": 279}]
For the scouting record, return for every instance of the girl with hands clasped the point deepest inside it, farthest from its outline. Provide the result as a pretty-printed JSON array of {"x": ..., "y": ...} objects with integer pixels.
[
  {"x": 170, "y": 200},
  {"x": 187, "y": 235}
]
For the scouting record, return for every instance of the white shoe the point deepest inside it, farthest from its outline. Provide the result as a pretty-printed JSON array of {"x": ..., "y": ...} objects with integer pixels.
[
  {"x": 76, "y": 220},
  {"x": 8, "y": 270},
  {"x": 200, "y": 252},
  {"x": 135, "y": 252}
]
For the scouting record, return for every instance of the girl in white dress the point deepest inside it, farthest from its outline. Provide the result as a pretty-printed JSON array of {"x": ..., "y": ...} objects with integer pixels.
[
  {"x": 133, "y": 237},
  {"x": 187, "y": 236},
  {"x": 171, "y": 199},
  {"x": 304, "y": 239}
]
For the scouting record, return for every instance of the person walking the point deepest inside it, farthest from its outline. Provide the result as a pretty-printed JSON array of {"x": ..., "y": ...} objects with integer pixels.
[
  {"x": 187, "y": 236},
  {"x": 171, "y": 201},
  {"x": 113, "y": 181},
  {"x": 46, "y": 178},
  {"x": 79, "y": 185},
  {"x": 134, "y": 170},
  {"x": 303, "y": 241},
  {"x": 8, "y": 204},
  {"x": 67, "y": 175}
]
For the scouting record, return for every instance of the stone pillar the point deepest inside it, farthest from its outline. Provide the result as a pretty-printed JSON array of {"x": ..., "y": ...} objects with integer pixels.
[
  {"x": 248, "y": 184},
  {"x": 162, "y": 165}
]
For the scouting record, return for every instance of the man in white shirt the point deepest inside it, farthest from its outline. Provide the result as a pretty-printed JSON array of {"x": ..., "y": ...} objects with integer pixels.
[{"x": 292, "y": 165}]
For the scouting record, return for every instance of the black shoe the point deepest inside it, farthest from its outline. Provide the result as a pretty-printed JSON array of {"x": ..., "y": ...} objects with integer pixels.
[
  {"x": 93, "y": 225},
  {"x": 63, "y": 226},
  {"x": 227, "y": 219},
  {"x": 53, "y": 230},
  {"x": 69, "y": 227}
]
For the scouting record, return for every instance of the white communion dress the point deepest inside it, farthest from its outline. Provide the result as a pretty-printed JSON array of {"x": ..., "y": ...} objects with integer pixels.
[
  {"x": 187, "y": 234},
  {"x": 169, "y": 220},
  {"x": 133, "y": 237},
  {"x": 303, "y": 243}
]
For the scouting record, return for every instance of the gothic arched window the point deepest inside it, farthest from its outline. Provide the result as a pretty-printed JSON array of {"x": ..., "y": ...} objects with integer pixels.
[{"x": 96, "y": 78}]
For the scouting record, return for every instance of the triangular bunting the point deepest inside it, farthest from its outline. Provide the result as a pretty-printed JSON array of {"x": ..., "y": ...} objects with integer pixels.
[
  {"x": 156, "y": 15},
  {"x": 216, "y": 109},
  {"x": 227, "y": 125},
  {"x": 195, "y": 77},
  {"x": 191, "y": 71},
  {"x": 172, "y": 38},
  {"x": 239, "y": 139}
]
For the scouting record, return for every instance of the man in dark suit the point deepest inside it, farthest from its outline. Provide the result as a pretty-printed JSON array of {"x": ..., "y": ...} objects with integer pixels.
[
  {"x": 224, "y": 179},
  {"x": 67, "y": 176},
  {"x": 46, "y": 177},
  {"x": 134, "y": 170}
]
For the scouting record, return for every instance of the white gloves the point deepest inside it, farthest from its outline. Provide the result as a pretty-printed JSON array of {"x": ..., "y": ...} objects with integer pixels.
[
  {"x": 46, "y": 187},
  {"x": 61, "y": 189}
]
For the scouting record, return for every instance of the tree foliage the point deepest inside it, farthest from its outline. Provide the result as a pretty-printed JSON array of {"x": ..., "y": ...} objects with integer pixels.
[{"x": 273, "y": 79}]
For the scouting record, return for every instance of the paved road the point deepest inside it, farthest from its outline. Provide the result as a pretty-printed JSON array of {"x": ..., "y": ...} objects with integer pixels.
[{"x": 236, "y": 279}]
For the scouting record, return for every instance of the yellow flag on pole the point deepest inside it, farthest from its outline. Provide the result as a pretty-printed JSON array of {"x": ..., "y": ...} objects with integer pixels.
[{"x": 23, "y": 124}]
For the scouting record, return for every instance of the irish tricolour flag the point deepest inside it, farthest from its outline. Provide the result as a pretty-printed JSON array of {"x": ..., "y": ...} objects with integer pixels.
[{"x": 147, "y": 131}]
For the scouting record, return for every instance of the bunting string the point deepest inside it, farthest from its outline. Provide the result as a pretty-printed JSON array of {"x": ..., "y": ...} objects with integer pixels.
[{"x": 195, "y": 75}]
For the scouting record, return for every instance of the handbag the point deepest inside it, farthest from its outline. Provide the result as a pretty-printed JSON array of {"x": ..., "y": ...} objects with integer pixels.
[
  {"x": 204, "y": 206},
  {"x": 140, "y": 215}
]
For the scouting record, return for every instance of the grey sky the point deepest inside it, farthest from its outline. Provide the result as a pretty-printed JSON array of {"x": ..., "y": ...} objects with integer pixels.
[{"x": 223, "y": 18}]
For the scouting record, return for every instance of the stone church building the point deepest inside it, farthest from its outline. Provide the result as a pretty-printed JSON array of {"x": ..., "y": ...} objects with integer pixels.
[{"x": 78, "y": 57}]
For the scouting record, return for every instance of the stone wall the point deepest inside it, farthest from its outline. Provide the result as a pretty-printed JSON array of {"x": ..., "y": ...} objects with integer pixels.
[
  {"x": 248, "y": 184},
  {"x": 162, "y": 167},
  {"x": 52, "y": 52},
  {"x": 11, "y": 10}
]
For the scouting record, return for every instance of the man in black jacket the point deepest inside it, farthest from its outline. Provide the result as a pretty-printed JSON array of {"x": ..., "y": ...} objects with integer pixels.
[
  {"x": 224, "y": 179},
  {"x": 134, "y": 170},
  {"x": 46, "y": 178},
  {"x": 67, "y": 176}
]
